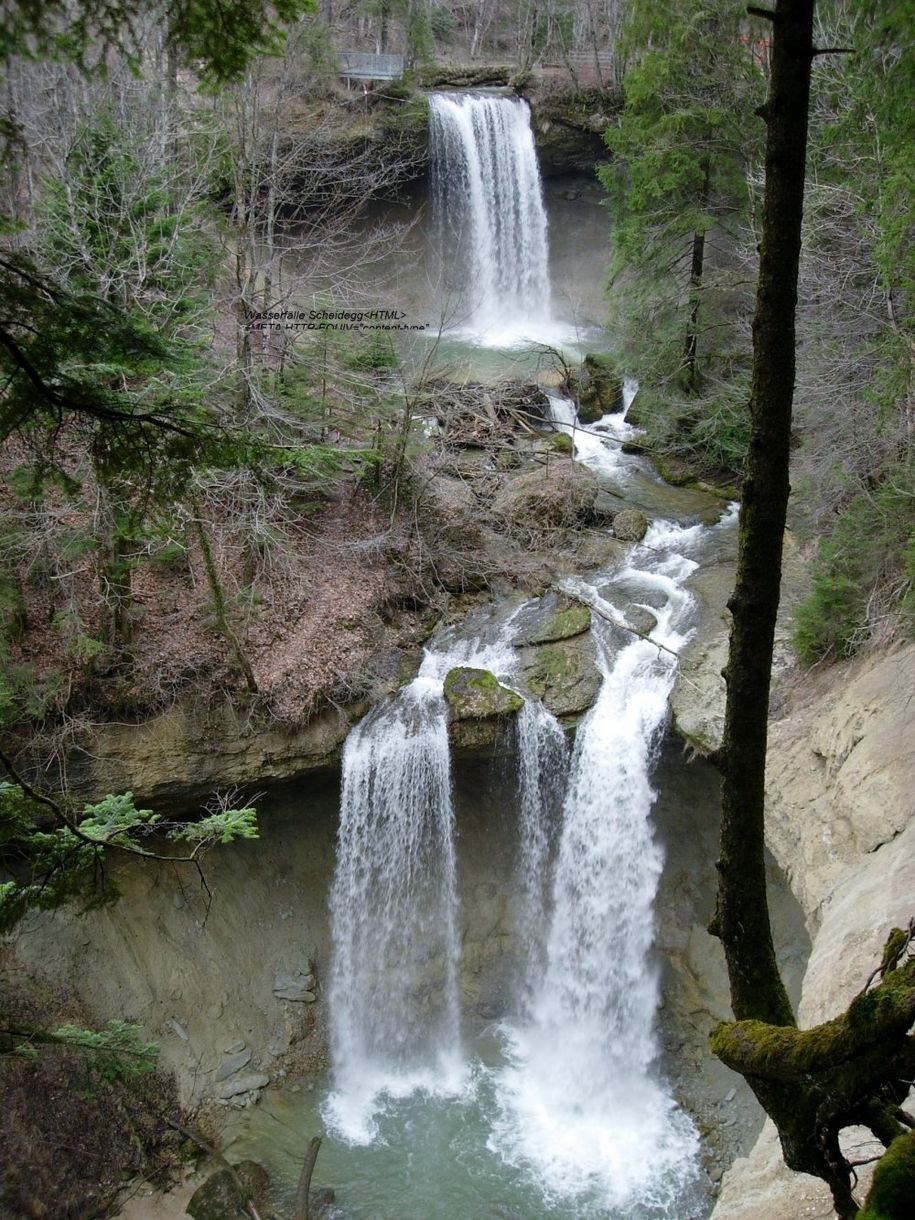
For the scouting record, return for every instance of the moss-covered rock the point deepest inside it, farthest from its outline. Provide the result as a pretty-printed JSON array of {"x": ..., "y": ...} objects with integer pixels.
[
  {"x": 562, "y": 675},
  {"x": 220, "y": 1196},
  {"x": 637, "y": 416},
  {"x": 480, "y": 707},
  {"x": 561, "y": 442},
  {"x": 674, "y": 471},
  {"x": 569, "y": 125},
  {"x": 465, "y": 76},
  {"x": 630, "y": 525},
  {"x": 600, "y": 388},
  {"x": 566, "y": 621},
  {"x": 476, "y": 694},
  {"x": 406, "y": 120}
]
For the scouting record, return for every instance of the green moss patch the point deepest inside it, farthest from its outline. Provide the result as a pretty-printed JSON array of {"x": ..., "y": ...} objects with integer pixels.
[
  {"x": 563, "y": 625},
  {"x": 476, "y": 694},
  {"x": 892, "y": 1193}
]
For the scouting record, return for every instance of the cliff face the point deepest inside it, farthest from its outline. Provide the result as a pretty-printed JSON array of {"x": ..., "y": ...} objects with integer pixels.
[{"x": 841, "y": 822}]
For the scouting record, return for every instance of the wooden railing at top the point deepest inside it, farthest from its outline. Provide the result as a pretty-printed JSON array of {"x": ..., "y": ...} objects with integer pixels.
[{"x": 366, "y": 65}]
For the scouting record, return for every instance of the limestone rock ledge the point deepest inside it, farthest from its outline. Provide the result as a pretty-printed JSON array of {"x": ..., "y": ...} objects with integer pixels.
[
  {"x": 841, "y": 823},
  {"x": 190, "y": 751}
]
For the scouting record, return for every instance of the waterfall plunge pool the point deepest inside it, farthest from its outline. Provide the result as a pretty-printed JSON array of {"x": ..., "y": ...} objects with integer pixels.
[{"x": 431, "y": 1159}]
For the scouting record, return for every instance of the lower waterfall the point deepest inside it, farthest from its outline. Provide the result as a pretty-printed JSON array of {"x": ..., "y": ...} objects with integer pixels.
[
  {"x": 393, "y": 988},
  {"x": 574, "y": 1103},
  {"x": 581, "y": 1101},
  {"x": 542, "y": 767}
]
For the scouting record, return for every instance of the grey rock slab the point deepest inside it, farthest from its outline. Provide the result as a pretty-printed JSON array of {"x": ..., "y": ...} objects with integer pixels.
[
  {"x": 247, "y": 1083},
  {"x": 641, "y": 619},
  {"x": 233, "y": 1064},
  {"x": 177, "y": 1028},
  {"x": 295, "y": 987}
]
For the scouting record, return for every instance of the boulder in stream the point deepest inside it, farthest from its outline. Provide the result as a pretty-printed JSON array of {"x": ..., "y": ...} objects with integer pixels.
[
  {"x": 558, "y": 496},
  {"x": 600, "y": 389},
  {"x": 220, "y": 1197},
  {"x": 478, "y": 706},
  {"x": 630, "y": 525},
  {"x": 559, "y": 618},
  {"x": 476, "y": 694},
  {"x": 563, "y": 675}
]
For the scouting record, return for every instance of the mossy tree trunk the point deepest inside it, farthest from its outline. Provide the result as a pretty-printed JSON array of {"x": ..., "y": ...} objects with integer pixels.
[
  {"x": 851, "y": 1071},
  {"x": 220, "y": 609},
  {"x": 742, "y": 916}
]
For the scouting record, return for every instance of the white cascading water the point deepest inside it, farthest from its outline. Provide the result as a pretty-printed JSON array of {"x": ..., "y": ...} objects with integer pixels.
[
  {"x": 393, "y": 991},
  {"x": 542, "y": 765},
  {"x": 393, "y": 987},
  {"x": 491, "y": 226},
  {"x": 582, "y": 1106},
  {"x": 579, "y": 1103},
  {"x": 590, "y": 441}
]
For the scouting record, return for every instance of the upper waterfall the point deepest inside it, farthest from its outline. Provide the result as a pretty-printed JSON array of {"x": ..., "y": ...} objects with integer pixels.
[{"x": 491, "y": 226}]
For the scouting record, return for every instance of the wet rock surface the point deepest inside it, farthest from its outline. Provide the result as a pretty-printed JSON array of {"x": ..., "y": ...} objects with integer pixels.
[
  {"x": 630, "y": 525},
  {"x": 240, "y": 1086},
  {"x": 479, "y": 706},
  {"x": 597, "y": 388},
  {"x": 298, "y": 987},
  {"x": 697, "y": 700},
  {"x": 477, "y": 694},
  {"x": 231, "y": 1065},
  {"x": 563, "y": 675},
  {"x": 556, "y": 618}
]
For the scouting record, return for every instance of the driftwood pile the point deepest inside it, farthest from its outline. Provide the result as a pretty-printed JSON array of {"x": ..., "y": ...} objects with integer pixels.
[{"x": 476, "y": 415}]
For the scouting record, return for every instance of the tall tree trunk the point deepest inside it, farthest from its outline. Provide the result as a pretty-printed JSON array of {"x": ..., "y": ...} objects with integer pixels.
[
  {"x": 696, "y": 269},
  {"x": 742, "y": 915},
  {"x": 220, "y": 609}
]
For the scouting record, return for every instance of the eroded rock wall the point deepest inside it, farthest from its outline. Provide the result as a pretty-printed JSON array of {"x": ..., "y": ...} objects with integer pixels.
[{"x": 841, "y": 820}]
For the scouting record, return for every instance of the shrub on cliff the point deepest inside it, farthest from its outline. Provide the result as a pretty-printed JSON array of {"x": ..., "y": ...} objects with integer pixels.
[{"x": 864, "y": 573}]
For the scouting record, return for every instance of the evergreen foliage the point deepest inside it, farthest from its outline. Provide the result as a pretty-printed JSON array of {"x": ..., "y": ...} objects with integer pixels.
[
  {"x": 678, "y": 196},
  {"x": 855, "y": 471},
  {"x": 864, "y": 572},
  {"x": 116, "y": 1053},
  {"x": 63, "y": 859},
  {"x": 683, "y": 190},
  {"x": 222, "y": 37}
]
